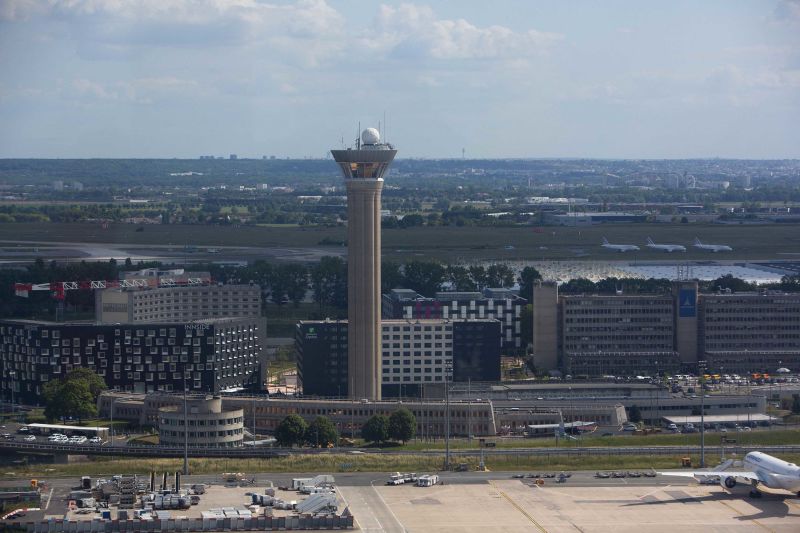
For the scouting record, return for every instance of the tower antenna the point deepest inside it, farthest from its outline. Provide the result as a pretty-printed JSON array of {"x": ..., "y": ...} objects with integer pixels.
[
  {"x": 358, "y": 136},
  {"x": 383, "y": 133}
]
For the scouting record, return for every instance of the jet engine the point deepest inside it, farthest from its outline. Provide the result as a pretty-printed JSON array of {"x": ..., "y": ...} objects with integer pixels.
[{"x": 727, "y": 481}]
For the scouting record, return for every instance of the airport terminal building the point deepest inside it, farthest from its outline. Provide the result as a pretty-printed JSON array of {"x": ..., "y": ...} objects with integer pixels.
[
  {"x": 211, "y": 355},
  {"x": 621, "y": 334}
]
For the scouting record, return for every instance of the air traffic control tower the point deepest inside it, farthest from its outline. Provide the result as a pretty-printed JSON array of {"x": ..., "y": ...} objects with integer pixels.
[{"x": 363, "y": 169}]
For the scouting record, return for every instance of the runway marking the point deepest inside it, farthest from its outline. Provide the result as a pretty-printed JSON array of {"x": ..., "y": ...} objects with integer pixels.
[
  {"x": 520, "y": 509},
  {"x": 48, "y": 498},
  {"x": 387, "y": 507}
]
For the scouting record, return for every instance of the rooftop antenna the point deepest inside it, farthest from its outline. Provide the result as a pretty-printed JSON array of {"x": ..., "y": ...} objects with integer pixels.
[
  {"x": 358, "y": 136},
  {"x": 383, "y": 133},
  {"x": 463, "y": 151}
]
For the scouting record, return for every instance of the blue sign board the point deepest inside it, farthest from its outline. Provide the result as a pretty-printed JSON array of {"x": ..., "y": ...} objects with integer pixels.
[{"x": 687, "y": 303}]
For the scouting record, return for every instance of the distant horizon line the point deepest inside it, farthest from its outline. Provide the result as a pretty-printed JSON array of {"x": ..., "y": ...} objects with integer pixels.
[{"x": 498, "y": 158}]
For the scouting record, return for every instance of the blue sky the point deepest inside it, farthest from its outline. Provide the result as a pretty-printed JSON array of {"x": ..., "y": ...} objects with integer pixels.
[{"x": 612, "y": 79}]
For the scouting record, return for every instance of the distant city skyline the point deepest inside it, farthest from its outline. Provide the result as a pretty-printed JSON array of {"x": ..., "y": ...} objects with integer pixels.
[{"x": 540, "y": 79}]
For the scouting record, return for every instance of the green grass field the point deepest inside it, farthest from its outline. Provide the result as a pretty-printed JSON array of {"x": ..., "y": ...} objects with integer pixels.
[
  {"x": 333, "y": 463},
  {"x": 769, "y": 241}
]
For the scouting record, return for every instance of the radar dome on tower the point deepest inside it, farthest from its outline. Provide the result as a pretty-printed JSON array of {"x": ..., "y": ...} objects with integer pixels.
[{"x": 370, "y": 136}]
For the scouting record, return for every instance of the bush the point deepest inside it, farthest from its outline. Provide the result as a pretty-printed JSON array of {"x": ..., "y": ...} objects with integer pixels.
[{"x": 321, "y": 432}]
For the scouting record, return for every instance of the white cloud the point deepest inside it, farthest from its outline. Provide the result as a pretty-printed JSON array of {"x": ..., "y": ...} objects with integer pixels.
[{"x": 410, "y": 30}]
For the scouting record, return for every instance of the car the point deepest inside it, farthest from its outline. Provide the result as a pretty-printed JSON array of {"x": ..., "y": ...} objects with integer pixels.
[
  {"x": 634, "y": 474},
  {"x": 95, "y": 440},
  {"x": 518, "y": 476},
  {"x": 602, "y": 475},
  {"x": 672, "y": 426},
  {"x": 629, "y": 427},
  {"x": 649, "y": 473},
  {"x": 30, "y": 438},
  {"x": 23, "y": 429},
  {"x": 619, "y": 474}
]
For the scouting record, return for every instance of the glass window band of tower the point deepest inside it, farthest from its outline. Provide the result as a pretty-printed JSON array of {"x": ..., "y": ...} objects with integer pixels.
[{"x": 370, "y": 170}]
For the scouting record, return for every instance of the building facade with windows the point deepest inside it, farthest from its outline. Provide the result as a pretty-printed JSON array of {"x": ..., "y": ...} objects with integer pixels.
[
  {"x": 414, "y": 353},
  {"x": 209, "y": 425},
  {"x": 211, "y": 355},
  {"x": 183, "y": 304},
  {"x": 620, "y": 334},
  {"x": 502, "y": 305}
]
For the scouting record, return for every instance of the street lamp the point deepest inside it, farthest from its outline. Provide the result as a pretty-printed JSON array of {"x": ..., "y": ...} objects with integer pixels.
[
  {"x": 12, "y": 374},
  {"x": 185, "y": 429},
  {"x": 447, "y": 370},
  {"x": 702, "y": 367}
]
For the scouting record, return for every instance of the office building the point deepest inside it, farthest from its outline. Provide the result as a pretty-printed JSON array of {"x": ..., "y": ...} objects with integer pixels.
[
  {"x": 177, "y": 303},
  {"x": 500, "y": 304},
  {"x": 621, "y": 334},
  {"x": 209, "y": 355},
  {"x": 363, "y": 170},
  {"x": 415, "y": 353}
]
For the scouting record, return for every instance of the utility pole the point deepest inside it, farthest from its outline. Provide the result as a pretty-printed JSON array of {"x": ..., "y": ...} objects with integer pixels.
[
  {"x": 469, "y": 409},
  {"x": 447, "y": 419},
  {"x": 702, "y": 368},
  {"x": 185, "y": 429},
  {"x": 12, "y": 374}
]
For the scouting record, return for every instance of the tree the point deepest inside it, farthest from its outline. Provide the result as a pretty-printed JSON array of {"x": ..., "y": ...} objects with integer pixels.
[
  {"x": 290, "y": 281},
  {"x": 402, "y": 425},
  {"x": 425, "y": 277},
  {"x": 730, "y": 283},
  {"x": 321, "y": 432},
  {"x": 391, "y": 276},
  {"x": 65, "y": 399},
  {"x": 634, "y": 414},
  {"x": 376, "y": 429},
  {"x": 459, "y": 277},
  {"x": 796, "y": 404},
  {"x": 499, "y": 275},
  {"x": 527, "y": 277},
  {"x": 291, "y": 431},
  {"x": 329, "y": 280},
  {"x": 73, "y": 396}
]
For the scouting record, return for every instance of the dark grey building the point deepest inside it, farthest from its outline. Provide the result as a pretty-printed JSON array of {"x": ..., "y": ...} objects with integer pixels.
[{"x": 214, "y": 354}]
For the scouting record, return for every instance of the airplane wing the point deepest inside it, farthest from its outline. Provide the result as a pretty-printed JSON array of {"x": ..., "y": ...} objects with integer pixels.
[{"x": 751, "y": 476}]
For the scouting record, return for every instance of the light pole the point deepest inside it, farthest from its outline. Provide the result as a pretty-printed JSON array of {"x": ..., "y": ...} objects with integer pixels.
[
  {"x": 185, "y": 429},
  {"x": 702, "y": 367},
  {"x": 447, "y": 370},
  {"x": 12, "y": 374}
]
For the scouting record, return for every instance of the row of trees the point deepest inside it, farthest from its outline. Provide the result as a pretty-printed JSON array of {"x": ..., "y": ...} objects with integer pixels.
[
  {"x": 322, "y": 433},
  {"x": 74, "y": 396}
]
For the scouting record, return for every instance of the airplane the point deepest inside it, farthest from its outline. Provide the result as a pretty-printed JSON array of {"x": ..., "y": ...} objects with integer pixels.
[
  {"x": 665, "y": 247},
  {"x": 619, "y": 247},
  {"x": 762, "y": 469},
  {"x": 712, "y": 247}
]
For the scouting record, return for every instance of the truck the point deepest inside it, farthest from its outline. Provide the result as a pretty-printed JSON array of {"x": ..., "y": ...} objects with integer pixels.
[{"x": 427, "y": 480}]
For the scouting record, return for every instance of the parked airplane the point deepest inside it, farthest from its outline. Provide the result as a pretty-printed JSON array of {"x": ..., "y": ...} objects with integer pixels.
[
  {"x": 665, "y": 247},
  {"x": 712, "y": 247},
  {"x": 761, "y": 468},
  {"x": 619, "y": 247}
]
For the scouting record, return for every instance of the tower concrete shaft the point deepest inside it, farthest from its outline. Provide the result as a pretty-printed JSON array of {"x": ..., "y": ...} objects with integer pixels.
[
  {"x": 363, "y": 171},
  {"x": 364, "y": 288}
]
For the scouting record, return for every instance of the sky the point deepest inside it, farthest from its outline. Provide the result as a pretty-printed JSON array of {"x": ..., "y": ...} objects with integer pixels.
[{"x": 499, "y": 79}]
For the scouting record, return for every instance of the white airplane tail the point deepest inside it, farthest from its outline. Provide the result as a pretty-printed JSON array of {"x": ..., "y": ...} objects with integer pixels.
[
  {"x": 650, "y": 241},
  {"x": 605, "y": 241},
  {"x": 723, "y": 465},
  {"x": 697, "y": 241}
]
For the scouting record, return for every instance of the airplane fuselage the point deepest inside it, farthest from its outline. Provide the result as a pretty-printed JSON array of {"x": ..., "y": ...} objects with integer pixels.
[
  {"x": 714, "y": 247},
  {"x": 775, "y": 473},
  {"x": 667, "y": 247}
]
